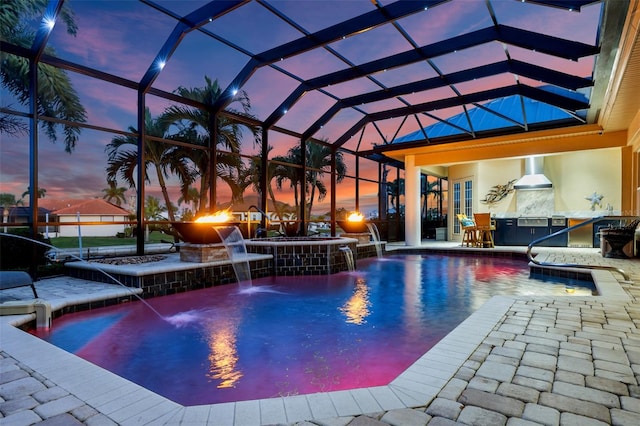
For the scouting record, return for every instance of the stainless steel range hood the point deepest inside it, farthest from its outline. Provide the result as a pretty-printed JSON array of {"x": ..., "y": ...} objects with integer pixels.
[{"x": 534, "y": 177}]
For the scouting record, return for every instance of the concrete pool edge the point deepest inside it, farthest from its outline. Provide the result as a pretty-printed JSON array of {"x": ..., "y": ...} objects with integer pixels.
[
  {"x": 105, "y": 391},
  {"x": 605, "y": 282},
  {"x": 126, "y": 402}
]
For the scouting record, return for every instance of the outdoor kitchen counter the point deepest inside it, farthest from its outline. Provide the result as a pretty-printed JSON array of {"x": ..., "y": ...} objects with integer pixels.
[
  {"x": 522, "y": 230},
  {"x": 516, "y": 231}
]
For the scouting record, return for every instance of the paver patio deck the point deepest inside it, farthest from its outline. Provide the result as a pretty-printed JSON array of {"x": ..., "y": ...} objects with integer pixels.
[{"x": 516, "y": 361}]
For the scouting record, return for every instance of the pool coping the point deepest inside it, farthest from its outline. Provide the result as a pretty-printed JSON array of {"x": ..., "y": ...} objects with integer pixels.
[
  {"x": 126, "y": 402},
  {"x": 171, "y": 263}
]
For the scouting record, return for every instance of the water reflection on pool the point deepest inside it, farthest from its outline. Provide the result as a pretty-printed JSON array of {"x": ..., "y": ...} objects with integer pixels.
[{"x": 296, "y": 335}]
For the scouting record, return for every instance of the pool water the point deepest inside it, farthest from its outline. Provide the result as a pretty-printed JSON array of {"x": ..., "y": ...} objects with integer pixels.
[{"x": 295, "y": 335}]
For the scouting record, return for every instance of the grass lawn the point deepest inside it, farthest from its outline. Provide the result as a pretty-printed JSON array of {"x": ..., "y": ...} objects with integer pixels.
[{"x": 72, "y": 242}]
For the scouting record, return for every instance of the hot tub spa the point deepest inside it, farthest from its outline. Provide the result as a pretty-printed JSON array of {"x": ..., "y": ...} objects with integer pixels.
[{"x": 305, "y": 255}]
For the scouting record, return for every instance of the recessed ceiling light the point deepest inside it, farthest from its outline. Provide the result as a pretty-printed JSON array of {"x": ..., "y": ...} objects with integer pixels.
[{"x": 49, "y": 23}]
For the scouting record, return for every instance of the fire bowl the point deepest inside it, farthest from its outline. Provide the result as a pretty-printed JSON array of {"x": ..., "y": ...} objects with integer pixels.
[
  {"x": 202, "y": 232},
  {"x": 353, "y": 227}
]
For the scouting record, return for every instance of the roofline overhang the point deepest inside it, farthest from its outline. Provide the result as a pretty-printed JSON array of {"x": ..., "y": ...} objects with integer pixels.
[{"x": 552, "y": 141}]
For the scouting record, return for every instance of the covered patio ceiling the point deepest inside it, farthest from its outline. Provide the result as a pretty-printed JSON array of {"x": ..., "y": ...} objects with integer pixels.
[{"x": 359, "y": 75}]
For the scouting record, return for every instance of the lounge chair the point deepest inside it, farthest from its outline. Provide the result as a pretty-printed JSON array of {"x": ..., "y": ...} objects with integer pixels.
[{"x": 14, "y": 279}]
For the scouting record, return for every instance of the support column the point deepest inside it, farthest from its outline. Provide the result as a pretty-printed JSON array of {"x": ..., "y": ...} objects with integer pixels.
[
  {"x": 628, "y": 184},
  {"x": 264, "y": 179},
  {"x": 34, "y": 188},
  {"x": 140, "y": 174},
  {"x": 213, "y": 163},
  {"x": 412, "y": 222},
  {"x": 334, "y": 182}
]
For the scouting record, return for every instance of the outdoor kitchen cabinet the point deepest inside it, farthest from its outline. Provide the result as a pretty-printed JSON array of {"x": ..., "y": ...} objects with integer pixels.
[
  {"x": 526, "y": 234},
  {"x": 561, "y": 240},
  {"x": 510, "y": 233},
  {"x": 505, "y": 233}
]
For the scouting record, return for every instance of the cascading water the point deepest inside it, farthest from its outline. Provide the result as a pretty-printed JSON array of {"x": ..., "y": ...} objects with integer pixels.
[
  {"x": 348, "y": 257},
  {"x": 375, "y": 235},
  {"x": 174, "y": 320},
  {"x": 233, "y": 241}
]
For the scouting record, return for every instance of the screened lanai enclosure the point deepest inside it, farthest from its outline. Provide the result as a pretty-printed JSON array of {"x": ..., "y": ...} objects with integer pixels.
[{"x": 287, "y": 109}]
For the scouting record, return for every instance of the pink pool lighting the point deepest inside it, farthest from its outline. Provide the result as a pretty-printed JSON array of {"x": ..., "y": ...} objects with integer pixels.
[{"x": 286, "y": 336}]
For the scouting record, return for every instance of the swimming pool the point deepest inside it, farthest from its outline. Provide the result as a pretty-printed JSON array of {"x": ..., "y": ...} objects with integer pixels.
[{"x": 295, "y": 335}]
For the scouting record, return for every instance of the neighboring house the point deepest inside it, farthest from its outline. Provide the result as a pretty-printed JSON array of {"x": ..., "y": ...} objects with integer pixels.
[
  {"x": 22, "y": 215},
  {"x": 246, "y": 209},
  {"x": 73, "y": 211},
  {"x": 241, "y": 209}
]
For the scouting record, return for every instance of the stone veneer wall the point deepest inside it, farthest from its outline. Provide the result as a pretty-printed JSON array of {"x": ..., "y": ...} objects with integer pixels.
[
  {"x": 80, "y": 307},
  {"x": 535, "y": 202},
  {"x": 305, "y": 259},
  {"x": 287, "y": 260},
  {"x": 171, "y": 282},
  {"x": 368, "y": 250}
]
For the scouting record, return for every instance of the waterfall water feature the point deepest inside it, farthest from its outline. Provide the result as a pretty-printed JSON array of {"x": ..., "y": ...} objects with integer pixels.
[
  {"x": 237, "y": 250},
  {"x": 375, "y": 235},
  {"x": 348, "y": 257},
  {"x": 172, "y": 320}
]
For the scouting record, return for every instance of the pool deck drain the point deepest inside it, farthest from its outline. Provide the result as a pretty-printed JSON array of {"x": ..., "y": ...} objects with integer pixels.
[{"x": 516, "y": 361}]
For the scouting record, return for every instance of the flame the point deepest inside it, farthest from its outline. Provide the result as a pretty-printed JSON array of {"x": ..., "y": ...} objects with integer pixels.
[
  {"x": 221, "y": 216},
  {"x": 355, "y": 217}
]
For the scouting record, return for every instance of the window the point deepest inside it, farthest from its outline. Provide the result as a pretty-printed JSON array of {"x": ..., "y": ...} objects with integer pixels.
[
  {"x": 462, "y": 201},
  {"x": 468, "y": 198}
]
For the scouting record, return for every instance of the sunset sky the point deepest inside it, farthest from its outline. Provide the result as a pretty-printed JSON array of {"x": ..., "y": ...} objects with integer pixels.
[{"x": 123, "y": 37}]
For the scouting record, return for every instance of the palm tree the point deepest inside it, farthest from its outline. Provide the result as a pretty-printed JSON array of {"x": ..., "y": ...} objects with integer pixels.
[
  {"x": 123, "y": 160},
  {"x": 293, "y": 175},
  {"x": 41, "y": 192},
  {"x": 192, "y": 196},
  {"x": 199, "y": 159},
  {"x": 114, "y": 193},
  {"x": 318, "y": 159},
  {"x": 428, "y": 189},
  {"x": 12, "y": 125},
  {"x": 238, "y": 178},
  {"x": 153, "y": 210},
  {"x": 273, "y": 169},
  {"x": 7, "y": 201},
  {"x": 56, "y": 96},
  {"x": 394, "y": 190},
  {"x": 193, "y": 125}
]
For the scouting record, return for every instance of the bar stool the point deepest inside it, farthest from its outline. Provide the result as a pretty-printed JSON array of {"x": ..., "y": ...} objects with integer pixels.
[
  {"x": 469, "y": 236},
  {"x": 485, "y": 227}
]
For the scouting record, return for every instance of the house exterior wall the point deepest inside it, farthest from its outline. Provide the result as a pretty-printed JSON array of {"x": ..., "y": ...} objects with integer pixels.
[
  {"x": 575, "y": 175},
  {"x": 104, "y": 230},
  {"x": 579, "y": 174},
  {"x": 497, "y": 172}
]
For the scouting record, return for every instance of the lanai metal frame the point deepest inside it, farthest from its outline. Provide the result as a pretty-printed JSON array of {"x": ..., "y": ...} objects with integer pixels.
[{"x": 380, "y": 15}]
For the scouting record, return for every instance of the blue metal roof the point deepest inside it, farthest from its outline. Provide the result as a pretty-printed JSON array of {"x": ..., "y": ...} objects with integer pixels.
[{"x": 506, "y": 112}]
